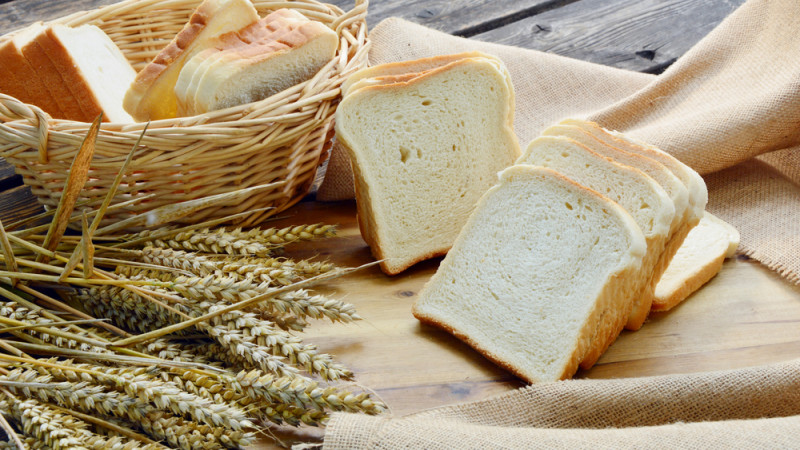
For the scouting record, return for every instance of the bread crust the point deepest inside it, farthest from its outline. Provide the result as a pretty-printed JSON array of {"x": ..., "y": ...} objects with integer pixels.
[
  {"x": 367, "y": 223},
  {"x": 67, "y": 69},
  {"x": 22, "y": 81},
  {"x": 151, "y": 95},
  {"x": 610, "y": 307},
  {"x": 47, "y": 71},
  {"x": 701, "y": 277}
]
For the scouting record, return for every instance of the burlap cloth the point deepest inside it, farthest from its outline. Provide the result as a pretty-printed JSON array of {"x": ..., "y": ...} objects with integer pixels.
[
  {"x": 732, "y": 97},
  {"x": 730, "y": 108}
]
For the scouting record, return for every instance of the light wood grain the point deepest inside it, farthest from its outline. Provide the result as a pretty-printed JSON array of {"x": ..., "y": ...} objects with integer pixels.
[{"x": 745, "y": 316}]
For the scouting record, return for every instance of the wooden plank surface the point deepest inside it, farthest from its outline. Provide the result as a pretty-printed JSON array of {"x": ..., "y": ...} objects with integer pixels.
[
  {"x": 745, "y": 316},
  {"x": 644, "y": 35}
]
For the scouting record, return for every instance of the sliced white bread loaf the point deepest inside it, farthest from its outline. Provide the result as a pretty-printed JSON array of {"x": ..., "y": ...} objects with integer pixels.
[
  {"x": 696, "y": 262},
  {"x": 672, "y": 185},
  {"x": 195, "y": 67},
  {"x": 33, "y": 49},
  {"x": 423, "y": 153},
  {"x": 407, "y": 67},
  {"x": 19, "y": 79},
  {"x": 640, "y": 195},
  {"x": 698, "y": 193},
  {"x": 539, "y": 263},
  {"x": 152, "y": 94},
  {"x": 250, "y": 66},
  {"x": 92, "y": 67}
]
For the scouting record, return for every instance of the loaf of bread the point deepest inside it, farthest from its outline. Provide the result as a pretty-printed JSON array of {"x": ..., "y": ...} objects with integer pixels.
[
  {"x": 71, "y": 73},
  {"x": 640, "y": 195},
  {"x": 671, "y": 184},
  {"x": 533, "y": 272},
  {"x": 423, "y": 152},
  {"x": 19, "y": 79},
  {"x": 697, "y": 199},
  {"x": 697, "y": 261},
  {"x": 152, "y": 94},
  {"x": 279, "y": 51},
  {"x": 93, "y": 68}
]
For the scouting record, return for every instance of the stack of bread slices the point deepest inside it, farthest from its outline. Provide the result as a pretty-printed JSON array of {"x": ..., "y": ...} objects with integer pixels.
[
  {"x": 426, "y": 139},
  {"x": 570, "y": 247},
  {"x": 70, "y": 73},
  {"x": 226, "y": 55}
]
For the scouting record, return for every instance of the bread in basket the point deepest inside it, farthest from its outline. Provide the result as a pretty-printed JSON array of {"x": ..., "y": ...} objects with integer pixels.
[{"x": 281, "y": 139}]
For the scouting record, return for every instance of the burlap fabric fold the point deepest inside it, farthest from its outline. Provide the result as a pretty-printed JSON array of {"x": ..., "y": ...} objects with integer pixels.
[
  {"x": 730, "y": 108},
  {"x": 754, "y": 408}
]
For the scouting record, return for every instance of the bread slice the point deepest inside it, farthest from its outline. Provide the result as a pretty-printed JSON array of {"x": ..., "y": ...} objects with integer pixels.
[
  {"x": 697, "y": 191},
  {"x": 196, "y": 67},
  {"x": 423, "y": 153},
  {"x": 671, "y": 184},
  {"x": 18, "y": 78},
  {"x": 255, "y": 66},
  {"x": 415, "y": 66},
  {"x": 22, "y": 57},
  {"x": 92, "y": 67},
  {"x": 539, "y": 263},
  {"x": 646, "y": 201},
  {"x": 696, "y": 262},
  {"x": 152, "y": 94}
]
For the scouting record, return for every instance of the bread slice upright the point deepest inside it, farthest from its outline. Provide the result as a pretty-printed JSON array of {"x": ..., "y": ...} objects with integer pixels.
[
  {"x": 263, "y": 30},
  {"x": 697, "y": 191},
  {"x": 696, "y": 262},
  {"x": 152, "y": 94},
  {"x": 247, "y": 71},
  {"x": 423, "y": 153},
  {"x": 646, "y": 201},
  {"x": 539, "y": 263},
  {"x": 672, "y": 185},
  {"x": 29, "y": 44},
  {"x": 407, "y": 67},
  {"x": 19, "y": 79},
  {"x": 93, "y": 67}
]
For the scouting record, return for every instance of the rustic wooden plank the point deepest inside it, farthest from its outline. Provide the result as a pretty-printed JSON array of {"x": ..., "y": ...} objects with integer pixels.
[
  {"x": 20, "y": 13},
  {"x": 464, "y": 17},
  {"x": 641, "y": 35},
  {"x": 18, "y": 203},
  {"x": 8, "y": 178}
]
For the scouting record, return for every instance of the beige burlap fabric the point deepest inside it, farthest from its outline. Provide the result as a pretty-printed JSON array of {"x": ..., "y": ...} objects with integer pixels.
[
  {"x": 753, "y": 408},
  {"x": 731, "y": 98}
]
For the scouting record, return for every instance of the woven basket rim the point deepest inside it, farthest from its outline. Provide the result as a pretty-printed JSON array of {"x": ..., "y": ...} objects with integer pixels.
[
  {"x": 285, "y": 135},
  {"x": 91, "y": 16}
]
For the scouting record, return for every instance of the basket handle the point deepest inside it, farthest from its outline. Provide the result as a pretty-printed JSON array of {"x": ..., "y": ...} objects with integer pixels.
[
  {"x": 359, "y": 12},
  {"x": 12, "y": 109}
]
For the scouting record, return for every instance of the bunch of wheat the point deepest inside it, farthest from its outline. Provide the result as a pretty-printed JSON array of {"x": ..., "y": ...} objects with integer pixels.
[{"x": 167, "y": 337}]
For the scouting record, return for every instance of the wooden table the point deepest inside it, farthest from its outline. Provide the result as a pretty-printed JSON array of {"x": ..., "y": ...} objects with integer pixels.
[{"x": 746, "y": 316}]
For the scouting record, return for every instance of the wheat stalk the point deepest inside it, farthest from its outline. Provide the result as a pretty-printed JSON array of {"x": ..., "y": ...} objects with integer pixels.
[{"x": 88, "y": 397}]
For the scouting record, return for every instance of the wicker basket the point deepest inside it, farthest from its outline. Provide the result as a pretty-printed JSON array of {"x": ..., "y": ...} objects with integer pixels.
[{"x": 279, "y": 139}]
